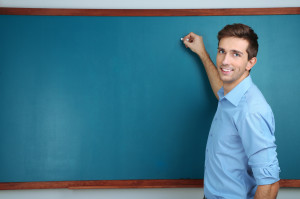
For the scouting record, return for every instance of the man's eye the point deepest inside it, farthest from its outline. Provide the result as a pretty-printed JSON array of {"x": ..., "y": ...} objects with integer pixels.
[
  {"x": 221, "y": 51},
  {"x": 236, "y": 55}
]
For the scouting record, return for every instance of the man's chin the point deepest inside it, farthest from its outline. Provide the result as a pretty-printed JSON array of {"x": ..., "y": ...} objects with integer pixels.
[{"x": 225, "y": 78}]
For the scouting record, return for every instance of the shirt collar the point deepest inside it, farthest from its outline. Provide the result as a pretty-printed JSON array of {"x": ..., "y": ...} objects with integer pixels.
[{"x": 236, "y": 94}]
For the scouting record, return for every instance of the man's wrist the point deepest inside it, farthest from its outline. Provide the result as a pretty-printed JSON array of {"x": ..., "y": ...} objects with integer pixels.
[{"x": 203, "y": 54}]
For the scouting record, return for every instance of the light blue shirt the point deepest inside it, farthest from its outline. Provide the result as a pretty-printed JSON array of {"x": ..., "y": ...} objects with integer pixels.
[{"x": 241, "y": 150}]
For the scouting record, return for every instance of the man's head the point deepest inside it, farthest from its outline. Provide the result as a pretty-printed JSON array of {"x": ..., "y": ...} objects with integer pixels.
[
  {"x": 244, "y": 32},
  {"x": 236, "y": 56}
]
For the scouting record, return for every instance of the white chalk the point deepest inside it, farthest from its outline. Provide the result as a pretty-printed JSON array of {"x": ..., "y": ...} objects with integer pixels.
[{"x": 182, "y": 39}]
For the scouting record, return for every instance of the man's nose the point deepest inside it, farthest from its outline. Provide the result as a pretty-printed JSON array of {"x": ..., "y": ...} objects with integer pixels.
[{"x": 226, "y": 59}]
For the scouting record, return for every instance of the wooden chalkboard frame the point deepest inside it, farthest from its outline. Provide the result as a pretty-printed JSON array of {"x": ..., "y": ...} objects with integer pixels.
[
  {"x": 150, "y": 12},
  {"x": 118, "y": 184},
  {"x": 108, "y": 184}
]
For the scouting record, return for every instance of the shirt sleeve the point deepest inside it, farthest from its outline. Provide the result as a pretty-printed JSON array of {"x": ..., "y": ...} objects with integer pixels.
[{"x": 257, "y": 134}]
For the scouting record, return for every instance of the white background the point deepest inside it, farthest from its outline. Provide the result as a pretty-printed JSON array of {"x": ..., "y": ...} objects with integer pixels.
[
  {"x": 184, "y": 193},
  {"x": 149, "y": 4}
]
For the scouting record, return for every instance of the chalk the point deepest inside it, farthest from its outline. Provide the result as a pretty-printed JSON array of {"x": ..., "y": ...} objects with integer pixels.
[{"x": 182, "y": 39}]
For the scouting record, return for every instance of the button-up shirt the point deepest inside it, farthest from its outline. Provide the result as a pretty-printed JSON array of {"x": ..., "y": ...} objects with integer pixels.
[{"x": 241, "y": 151}]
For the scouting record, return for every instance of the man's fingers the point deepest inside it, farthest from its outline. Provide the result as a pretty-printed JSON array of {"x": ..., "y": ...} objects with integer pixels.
[
  {"x": 189, "y": 39},
  {"x": 186, "y": 38}
]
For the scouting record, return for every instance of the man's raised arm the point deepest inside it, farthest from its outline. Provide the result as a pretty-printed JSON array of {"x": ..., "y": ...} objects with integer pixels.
[{"x": 195, "y": 43}]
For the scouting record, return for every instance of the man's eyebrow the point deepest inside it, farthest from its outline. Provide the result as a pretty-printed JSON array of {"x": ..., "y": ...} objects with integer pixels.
[{"x": 236, "y": 51}]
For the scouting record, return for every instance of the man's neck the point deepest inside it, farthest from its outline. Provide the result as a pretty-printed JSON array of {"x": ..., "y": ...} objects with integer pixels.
[{"x": 228, "y": 86}]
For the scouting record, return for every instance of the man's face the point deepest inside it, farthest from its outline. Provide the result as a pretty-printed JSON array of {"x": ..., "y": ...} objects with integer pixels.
[{"x": 232, "y": 60}]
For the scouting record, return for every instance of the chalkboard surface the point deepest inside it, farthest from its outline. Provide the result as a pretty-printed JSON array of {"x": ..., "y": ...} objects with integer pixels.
[{"x": 118, "y": 98}]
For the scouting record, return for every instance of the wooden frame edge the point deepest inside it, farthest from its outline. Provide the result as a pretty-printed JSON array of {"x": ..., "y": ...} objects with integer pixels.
[
  {"x": 102, "y": 184},
  {"x": 150, "y": 12},
  {"x": 289, "y": 183},
  {"x": 119, "y": 184}
]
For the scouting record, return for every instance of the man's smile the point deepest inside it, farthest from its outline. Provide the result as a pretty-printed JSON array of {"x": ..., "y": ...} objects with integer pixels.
[{"x": 226, "y": 70}]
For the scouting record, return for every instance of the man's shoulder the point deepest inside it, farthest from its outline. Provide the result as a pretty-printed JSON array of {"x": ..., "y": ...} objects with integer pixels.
[
  {"x": 254, "y": 101},
  {"x": 254, "y": 109}
]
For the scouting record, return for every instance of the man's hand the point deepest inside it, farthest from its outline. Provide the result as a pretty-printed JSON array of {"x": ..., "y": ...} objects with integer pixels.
[
  {"x": 195, "y": 43},
  {"x": 267, "y": 191}
]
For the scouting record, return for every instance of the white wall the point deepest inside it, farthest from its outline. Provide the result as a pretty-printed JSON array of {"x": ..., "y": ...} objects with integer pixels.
[
  {"x": 192, "y": 193},
  {"x": 184, "y": 193},
  {"x": 148, "y": 4}
]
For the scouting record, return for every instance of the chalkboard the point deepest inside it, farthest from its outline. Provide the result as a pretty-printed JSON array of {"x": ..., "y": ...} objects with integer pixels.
[{"x": 120, "y": 98}]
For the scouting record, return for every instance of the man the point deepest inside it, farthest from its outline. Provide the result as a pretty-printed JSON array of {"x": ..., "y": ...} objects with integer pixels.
[{"x": 241, "y": 159}]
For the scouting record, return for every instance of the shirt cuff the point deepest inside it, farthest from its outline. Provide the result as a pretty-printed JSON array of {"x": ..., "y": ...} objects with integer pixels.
[{"x": 266, "y": 175}]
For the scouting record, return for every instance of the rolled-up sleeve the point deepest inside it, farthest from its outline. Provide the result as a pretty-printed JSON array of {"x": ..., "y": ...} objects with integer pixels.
[{"x": 257, "y": 134}]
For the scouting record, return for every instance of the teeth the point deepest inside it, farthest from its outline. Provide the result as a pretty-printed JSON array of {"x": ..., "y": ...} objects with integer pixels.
[{"x": 226, "y": 70}]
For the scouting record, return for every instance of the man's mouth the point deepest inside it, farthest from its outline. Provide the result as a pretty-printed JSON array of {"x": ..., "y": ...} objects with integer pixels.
[{"x": 226, "y": 70}]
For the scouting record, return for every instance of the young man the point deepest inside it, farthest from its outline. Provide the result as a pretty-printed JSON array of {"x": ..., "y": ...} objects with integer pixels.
[{"x": 241, "y": 159}]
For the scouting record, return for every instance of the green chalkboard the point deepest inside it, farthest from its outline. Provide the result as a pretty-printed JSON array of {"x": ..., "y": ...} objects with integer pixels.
[{"x": 120, "y": 98}]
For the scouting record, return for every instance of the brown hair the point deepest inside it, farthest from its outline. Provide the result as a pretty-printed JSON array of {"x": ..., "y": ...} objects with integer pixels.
[{"x": 244, "y": 32}]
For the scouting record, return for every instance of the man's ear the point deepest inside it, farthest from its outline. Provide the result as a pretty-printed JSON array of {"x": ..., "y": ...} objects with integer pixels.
[{"x": 251, "y": 63}]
